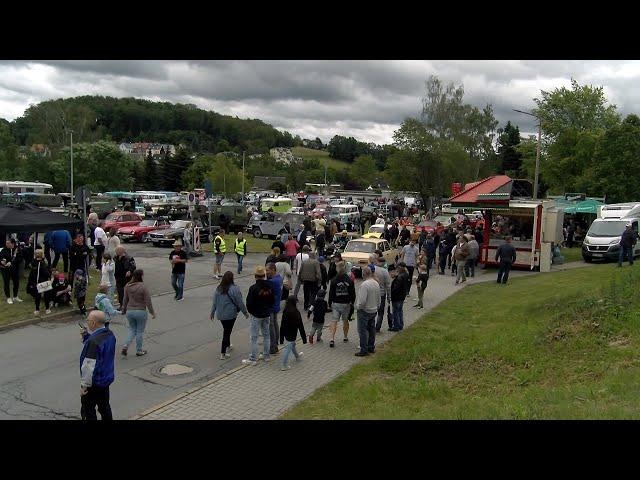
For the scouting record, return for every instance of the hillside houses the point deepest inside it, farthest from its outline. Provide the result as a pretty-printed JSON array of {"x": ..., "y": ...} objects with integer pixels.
[
  {"x": 142, "y": 149},
  {"x": 283, "y": 155}
]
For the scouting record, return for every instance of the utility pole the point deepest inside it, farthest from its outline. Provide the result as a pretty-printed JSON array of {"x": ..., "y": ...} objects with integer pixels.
[
  {"x": 537, "y": 172},
  {"x": 242, "y": 199},
  {"x": 71, "y": 132}
]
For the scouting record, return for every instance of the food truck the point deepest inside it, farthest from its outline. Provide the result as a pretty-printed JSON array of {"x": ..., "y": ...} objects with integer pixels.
[{"x": 533, "y": 225}]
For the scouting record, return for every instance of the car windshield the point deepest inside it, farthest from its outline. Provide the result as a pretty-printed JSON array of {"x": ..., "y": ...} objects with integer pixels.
[
  {"x": 112, "y": 216},
  {"x": 360, "y": 247},
  {"x": 179, "y": 223},
  {"x": 376, "y": 228},
  {"x": 147, "y": 223},
  {"x": 607, "y": 229}
]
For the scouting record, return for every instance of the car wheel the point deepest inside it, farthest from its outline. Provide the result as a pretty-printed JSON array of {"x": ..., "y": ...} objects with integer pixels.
[
  {"x": 257, "y": 233},
  {"x": 145, "y": 238}
]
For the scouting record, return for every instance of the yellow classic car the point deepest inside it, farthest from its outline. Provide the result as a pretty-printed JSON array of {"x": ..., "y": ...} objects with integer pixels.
[
  {"x": 375, "y": 231},
  {"x": 358, "y": 250}
]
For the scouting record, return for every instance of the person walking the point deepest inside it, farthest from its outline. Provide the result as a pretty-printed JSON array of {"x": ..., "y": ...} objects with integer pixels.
[
  {"x": 421, "y": 282},
  {"x": 107, "y": 276},
  {"x": 409, "y": 255},
  {"x": 103, "y": 303},
  {"x": 460, "y": 256},
  {"x": 319, "y": 310},
  {"x": 384, "y": 280},
  {"x": 61, "y": 243},
  {"x": 291, "y": 325},
  {"x": 259, "y": 302},
  {"x": 278, "y": 243},
  {"x": 367, "y": 305},
  {"x": 320, "y": 242},
  {"x": 297, "y": 266},
  {"x": 113, "y": 242},
  {"x": 219, "y": 250},
  {"x": 10, "y": 259},
  {"x": 178, "y": 259},
  {"x": 100, "y": 244},
  {"x": 124, "y": 268},
  {"x": 311, "y": 276},
  {"x": 506, "y": 255},
  {"x": 275, "y": 281},
  {"x": 398, "y": 296},
  {"x": 628, "y": 240},
  {"x": 342, "y": 294},
  {"x": 227, "y": 303},
  {"x": 80, "y": 289},
  {"x": 39, "y": 273},
  {"x": 240, "y": 247},
  {"x": 97, "y": 367},
  {"x": 474, "y": 252},
  {"x": 284, "y": 270},
  {"x": 429, "y": 246},
  {"x": 137, "y": 301},
  {"x": 291, "y": 249}
]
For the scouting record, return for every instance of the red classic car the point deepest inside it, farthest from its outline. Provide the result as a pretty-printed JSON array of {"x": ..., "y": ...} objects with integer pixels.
[
  {"x": 140, "y": 232},
  {"x": 121, "y": 219}
]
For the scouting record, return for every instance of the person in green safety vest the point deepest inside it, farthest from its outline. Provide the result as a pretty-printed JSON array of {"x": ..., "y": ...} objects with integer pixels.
[
  {"x": 219, "y": 249},
  {"x": 240, "y": 247}
]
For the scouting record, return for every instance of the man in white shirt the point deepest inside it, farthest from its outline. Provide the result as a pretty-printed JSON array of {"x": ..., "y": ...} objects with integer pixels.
[
  {"x": 100, "y": 244},
  {"x": 380, "y": 220},
  {"x": 297, "y": 264},
  {"x": 367, "y": 304}
]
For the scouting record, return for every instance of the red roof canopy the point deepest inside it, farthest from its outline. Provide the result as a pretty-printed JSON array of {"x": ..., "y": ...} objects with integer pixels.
[{"x": 486, "y": 186}]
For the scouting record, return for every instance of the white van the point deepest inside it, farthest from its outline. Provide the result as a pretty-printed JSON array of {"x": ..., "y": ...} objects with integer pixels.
[{"x": 603, "y": 238}]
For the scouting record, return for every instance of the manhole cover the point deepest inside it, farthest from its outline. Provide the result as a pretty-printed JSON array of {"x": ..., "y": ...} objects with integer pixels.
[{"x": 175, "y": 370}]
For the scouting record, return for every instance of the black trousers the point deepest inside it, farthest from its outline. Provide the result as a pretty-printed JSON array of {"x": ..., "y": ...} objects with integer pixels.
[
  {"x": 503, "y": 272},
  {"x": 46, "y": 296},
  {"x": 47, "y": 255},
  {"x": 96, "y": 397},
  {"x": 310, "y": 290},
  {"x": 11, "y": 275},
  {"x": 99, "y": 252},
  {"x": 227, "y": 327},
  {"x": 65, "y": 260},
  {"x": 120, "y": 283},
  {"x": 410, "y": 279}
]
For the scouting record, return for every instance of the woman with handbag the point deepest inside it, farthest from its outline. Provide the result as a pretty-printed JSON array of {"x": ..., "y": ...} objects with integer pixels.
[
  {"x": 227, "y": 302},
  {"x": 39, "y": 283}
]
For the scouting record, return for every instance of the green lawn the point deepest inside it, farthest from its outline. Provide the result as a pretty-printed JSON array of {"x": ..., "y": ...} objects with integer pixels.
[
  {"x": 321, "y": 156},
  {"x": 551, "y": 346},
  {"x": 572, "y": 254},
  {"x": 254, "y": 245},
  {"x": 23, "y": 311}
]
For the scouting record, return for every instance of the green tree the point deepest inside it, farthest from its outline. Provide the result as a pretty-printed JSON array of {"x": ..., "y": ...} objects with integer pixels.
[
  {"x": 137, "y": 173},
  {"x": 508, "y": 154},
  {"x": 225, "y": 176},
  {"x": 152, "y": 177},
  {"x": 364, "y": 170}
]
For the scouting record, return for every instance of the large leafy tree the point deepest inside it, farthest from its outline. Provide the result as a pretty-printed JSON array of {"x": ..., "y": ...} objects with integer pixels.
[
  {"x": 364, "y": 170},
  {"x": 225, "y": 176}
]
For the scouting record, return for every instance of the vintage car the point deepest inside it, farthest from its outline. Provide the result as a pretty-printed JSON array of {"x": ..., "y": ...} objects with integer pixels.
[
  {"x": 167, "y": 236},
  {"x": 121, "y": 219},
  {"x": 429, "y": 226},
  {"x": 272, "y": 223},
  {"x": 375, "y": 231},
  {"x": 358, "y": 250},
  {"x": 140, "y": 232}
]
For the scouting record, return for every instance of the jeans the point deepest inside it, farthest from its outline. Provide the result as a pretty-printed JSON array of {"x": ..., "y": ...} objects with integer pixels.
[
  {"x": 256, "y": 324},
  {"x": 443, "y": 261},
  {"x": 624, "y": 252},
  {"x": 422, "y": 286},
  {"x": 99, "y": 252},
  {"x": 95, "y": 397},
  {"x": 310, "y": 289},
  {"x": 65, "y": 260},
  {"x": 289, "y": 348},
  {"x": 297, "y": 289},
  {"x": 503, "y": 272},
  {"x": 274, "y": 332},
  {"x": 137, "y": 322},
  {"x": 367, "y": 331},
  {"x": 460, "y": 276},
  {"x": 240, "y": 259},
  {"x": 177, "y": 282},
  {"x": 11, "y": 275},
  {"x": 398, "y": 315},
  {"x": 470, "y": 267},
  {"x": 410, "y": 279},
  {"x": 316, "y": 328},
  {"x": 227, "y": 327},
  {"x": 383, "y": 302}
]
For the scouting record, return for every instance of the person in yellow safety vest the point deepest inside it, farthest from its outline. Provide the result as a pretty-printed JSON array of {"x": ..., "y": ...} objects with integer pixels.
[
  {"x": 219, "y": 249},
  {"x": 240, "y": 248}
]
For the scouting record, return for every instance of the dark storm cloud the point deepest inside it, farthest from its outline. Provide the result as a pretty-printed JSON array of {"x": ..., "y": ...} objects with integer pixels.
[{"x": 366, "y": 99}]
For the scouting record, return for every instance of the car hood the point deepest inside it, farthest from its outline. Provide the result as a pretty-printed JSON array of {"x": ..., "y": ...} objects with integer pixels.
[
  {"x": 372, "y": 235},
  {"x": 600, "y": 240},
  {"x": 169, "y": 231},
  {"x": 355, "y": 257}
]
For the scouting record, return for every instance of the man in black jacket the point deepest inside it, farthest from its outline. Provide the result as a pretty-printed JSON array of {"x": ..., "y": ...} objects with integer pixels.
[
  {"x": 342, "y": 294},
  {"x": 124, "y": 267},
  {"x": 398, "y": 294},
  {"x": 260, "y": 300},
  {"x": 627, "y": 242},
  {"x": 78, "y": 256},
  {"x": 10, "y": 259},
  {"x": 507, "y": 255}
]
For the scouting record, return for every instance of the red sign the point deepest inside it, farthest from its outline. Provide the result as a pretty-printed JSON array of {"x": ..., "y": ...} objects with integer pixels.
[{"x": 456, "y": 188}]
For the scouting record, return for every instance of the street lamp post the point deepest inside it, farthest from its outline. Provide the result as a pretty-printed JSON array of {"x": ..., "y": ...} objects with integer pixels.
[
  {"x": 71, "y": 192},
  {"x": 537, "y": 172}
]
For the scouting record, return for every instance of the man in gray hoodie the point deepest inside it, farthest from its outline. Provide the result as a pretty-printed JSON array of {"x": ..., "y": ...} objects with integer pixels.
[
  {"x": 367, "y": 304},
  {"x": 310, "y": 275}
]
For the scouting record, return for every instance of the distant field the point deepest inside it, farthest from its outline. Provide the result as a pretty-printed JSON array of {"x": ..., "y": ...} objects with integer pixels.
[{"x": 321, "y": 156}]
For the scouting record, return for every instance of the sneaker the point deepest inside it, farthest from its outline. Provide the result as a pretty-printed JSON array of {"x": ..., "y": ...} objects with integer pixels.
[
  {"x": 266, "y": 359},
  {"x": 332, "y": 344},
  {"x": 47, "y": 311},
  {"x": 248, "y": 361},
  {"x": 285, "y": 368},
  {"x": 299, "y": 357},
  {"x": 319, "y": 340},
  {"x": 180, "y": 299},
  {"x": 17, "y": 299},
  {"x": 223, "y": 356},
  {"x": 229, "y": 348},
  {"x": 9, "y": 301},
  {"x": 124, "y": 351},
  {"x": 416, "y": 306},
  {"x": 361, "y": 354},
  {"x": 141, "y": 353},
  {"x": 345, "y": 340},
  {"x": 36, "y": 313}
]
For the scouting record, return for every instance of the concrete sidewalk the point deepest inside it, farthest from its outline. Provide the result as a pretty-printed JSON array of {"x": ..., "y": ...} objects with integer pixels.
[{"x": 264, "y": 392}]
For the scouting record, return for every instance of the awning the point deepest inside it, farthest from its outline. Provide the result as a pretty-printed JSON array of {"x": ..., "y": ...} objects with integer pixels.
[
  {"x": 27, "y": 218},
  {"x": 586, "y": 206}
]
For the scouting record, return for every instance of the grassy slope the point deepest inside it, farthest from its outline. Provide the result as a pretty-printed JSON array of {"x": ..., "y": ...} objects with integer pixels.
[
  {"x": 24, "y": 311},
  {"x": 554, "y": 346},
  {"x": 321, "y": 156}
]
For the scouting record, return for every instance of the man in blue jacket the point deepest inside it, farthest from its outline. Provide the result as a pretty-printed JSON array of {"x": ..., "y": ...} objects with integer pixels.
[
  {"x": 61, "y": 243},
  {"x": 97, "y": 367}
]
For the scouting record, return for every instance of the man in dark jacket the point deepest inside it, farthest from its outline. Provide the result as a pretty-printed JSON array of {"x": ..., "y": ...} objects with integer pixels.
[
  {"x": 260, "y": 301},
  {"x": 320, "y": 243},
  {"x": 398, "y": 294},
  {"x": 10, "y": 259},
  {"x": 79, "y": 256},
  {"x": 627, "y": 242},
  {"x": 124, "y": 267},
  {"x": 97, "y": 367},
  {"x": 451, "y": 239},
  {"x": 430, "y": 247},
  {"x": 275, "y": 281},
  {"x": 506, "y": 255},
  {"x": 61, "y": 243},
  {"x": 342, "y": 294}
]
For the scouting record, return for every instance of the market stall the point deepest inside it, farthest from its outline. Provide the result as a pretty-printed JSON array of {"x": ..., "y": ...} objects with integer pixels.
[{"x": 28, "y": 218}]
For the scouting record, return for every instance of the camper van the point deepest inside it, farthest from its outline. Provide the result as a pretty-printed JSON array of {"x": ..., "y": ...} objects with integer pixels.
[
  {"x": 603, "y": 238},
  {"x": 344, "y": 213}
]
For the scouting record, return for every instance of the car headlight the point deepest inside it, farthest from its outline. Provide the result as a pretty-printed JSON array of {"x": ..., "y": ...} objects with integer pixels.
[{"x": 614, "y": 242}]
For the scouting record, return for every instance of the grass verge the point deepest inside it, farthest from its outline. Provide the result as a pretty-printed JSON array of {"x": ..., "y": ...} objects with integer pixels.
[
  {"x": 552, "y": 346},
  {"x": 572, "y": 254},
  {"x": 24, "y": 311}
]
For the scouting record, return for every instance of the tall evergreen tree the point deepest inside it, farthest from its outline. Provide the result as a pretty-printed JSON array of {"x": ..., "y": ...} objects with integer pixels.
[
  {"x": 151, "y": 177},
  {"x": 510, "y": 158},
  {"x": 138, "y": 174}
]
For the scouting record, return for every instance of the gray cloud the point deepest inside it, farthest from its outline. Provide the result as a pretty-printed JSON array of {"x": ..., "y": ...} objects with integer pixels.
[{"x": 366, "y": 99}]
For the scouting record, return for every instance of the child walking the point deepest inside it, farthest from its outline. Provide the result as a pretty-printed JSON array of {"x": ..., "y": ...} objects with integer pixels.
[
  {"x": 80, "y": 290},
  {"x": 103, "y": 303},
  {"x": 291, "y": 324},
  {"x": 319, "y": 309},
  {"x": 108, "y": 274}
]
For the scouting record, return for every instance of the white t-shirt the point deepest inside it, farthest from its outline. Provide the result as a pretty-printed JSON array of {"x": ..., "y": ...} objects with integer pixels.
[
  {"x": 301, "y": 257},
  {"x": 101, "y": 237}
]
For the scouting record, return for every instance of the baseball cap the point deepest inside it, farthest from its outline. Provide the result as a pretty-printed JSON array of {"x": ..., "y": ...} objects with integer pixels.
[
  {"x": 629, "y": 224},
  {"x": 260, "y": 271}
]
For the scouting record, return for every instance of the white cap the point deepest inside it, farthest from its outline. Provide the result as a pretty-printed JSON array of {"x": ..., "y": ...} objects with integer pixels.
[{"x": 629, "y": 224}]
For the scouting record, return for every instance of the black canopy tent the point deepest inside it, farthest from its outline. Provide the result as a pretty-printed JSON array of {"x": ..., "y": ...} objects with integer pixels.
[{"x": 27, "y": 218}]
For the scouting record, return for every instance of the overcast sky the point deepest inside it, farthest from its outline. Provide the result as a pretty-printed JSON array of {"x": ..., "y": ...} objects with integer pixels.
[{"x": 364, "y": 99}]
